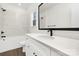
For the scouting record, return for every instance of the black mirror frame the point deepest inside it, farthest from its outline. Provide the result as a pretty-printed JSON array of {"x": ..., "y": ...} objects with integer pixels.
[{"x": 67, "y": 29}]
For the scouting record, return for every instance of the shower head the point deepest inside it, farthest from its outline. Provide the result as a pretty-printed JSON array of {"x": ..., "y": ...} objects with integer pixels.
[{"x": 3, "y": 9}]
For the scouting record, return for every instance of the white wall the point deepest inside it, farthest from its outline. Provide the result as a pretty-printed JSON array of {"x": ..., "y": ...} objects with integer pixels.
[
  {"x": 14, "y": 23},
  {"x": 0, "y": 18}
]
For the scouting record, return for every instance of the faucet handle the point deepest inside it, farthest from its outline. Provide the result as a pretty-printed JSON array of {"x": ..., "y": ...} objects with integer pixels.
[
  {"x": 2, "y": 32},
  {"x": 3, "y": 36}
]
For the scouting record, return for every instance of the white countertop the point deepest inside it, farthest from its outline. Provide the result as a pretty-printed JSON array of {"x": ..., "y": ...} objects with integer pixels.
[{"x": 63, "y": 44}]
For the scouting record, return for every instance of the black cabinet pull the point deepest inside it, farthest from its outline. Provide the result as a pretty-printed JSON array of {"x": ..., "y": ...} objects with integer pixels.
[{"x": 35, "y": 55}]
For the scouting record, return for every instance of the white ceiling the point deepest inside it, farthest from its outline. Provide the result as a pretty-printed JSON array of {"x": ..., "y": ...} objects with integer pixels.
[{"x": 23, "y": 5}]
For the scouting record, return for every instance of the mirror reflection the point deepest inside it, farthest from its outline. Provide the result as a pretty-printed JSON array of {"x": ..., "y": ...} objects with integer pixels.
[{"x": 59, "y": 15}]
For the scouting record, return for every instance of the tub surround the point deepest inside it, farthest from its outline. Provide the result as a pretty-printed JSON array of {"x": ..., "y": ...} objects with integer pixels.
[
  {"x": 63, "y": 44},
  {"x": 11, "y": 43}
]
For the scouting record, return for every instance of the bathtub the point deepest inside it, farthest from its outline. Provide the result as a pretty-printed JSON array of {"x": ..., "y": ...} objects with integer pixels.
[{"x": 10, "y": 43}]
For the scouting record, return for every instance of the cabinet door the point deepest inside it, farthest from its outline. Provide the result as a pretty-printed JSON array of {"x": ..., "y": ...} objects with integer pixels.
[
  {"x": 30, "y": 47},
  {"x": 30, "y": 50},
  {"x": 35, "y": 48},
  {"x": 55, "y": 52},
  {"x": 41, "y": 49}
]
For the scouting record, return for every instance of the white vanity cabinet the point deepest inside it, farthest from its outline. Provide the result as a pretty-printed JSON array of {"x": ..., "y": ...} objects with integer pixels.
[
  {"x": 35, "y": 48},
  {"x": 42, "y": 50}
]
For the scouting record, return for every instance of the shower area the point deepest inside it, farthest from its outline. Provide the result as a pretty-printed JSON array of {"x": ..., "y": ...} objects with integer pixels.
[{"x": 13, "y": 27}]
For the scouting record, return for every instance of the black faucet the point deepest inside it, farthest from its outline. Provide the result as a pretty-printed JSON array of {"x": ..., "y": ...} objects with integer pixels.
[
  {"x": 2, "y": 32},
  {"x": 51, "y": 34}
]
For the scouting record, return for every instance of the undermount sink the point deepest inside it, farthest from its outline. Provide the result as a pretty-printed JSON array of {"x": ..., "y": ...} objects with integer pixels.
[{"x": 46, "y": 36}]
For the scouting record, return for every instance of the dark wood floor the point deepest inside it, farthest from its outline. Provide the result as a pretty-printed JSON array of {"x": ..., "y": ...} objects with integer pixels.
[{"x": 14, "y": 52}]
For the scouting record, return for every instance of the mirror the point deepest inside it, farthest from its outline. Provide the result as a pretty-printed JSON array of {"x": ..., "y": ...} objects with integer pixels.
[{"x": 58, "y": 15}]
